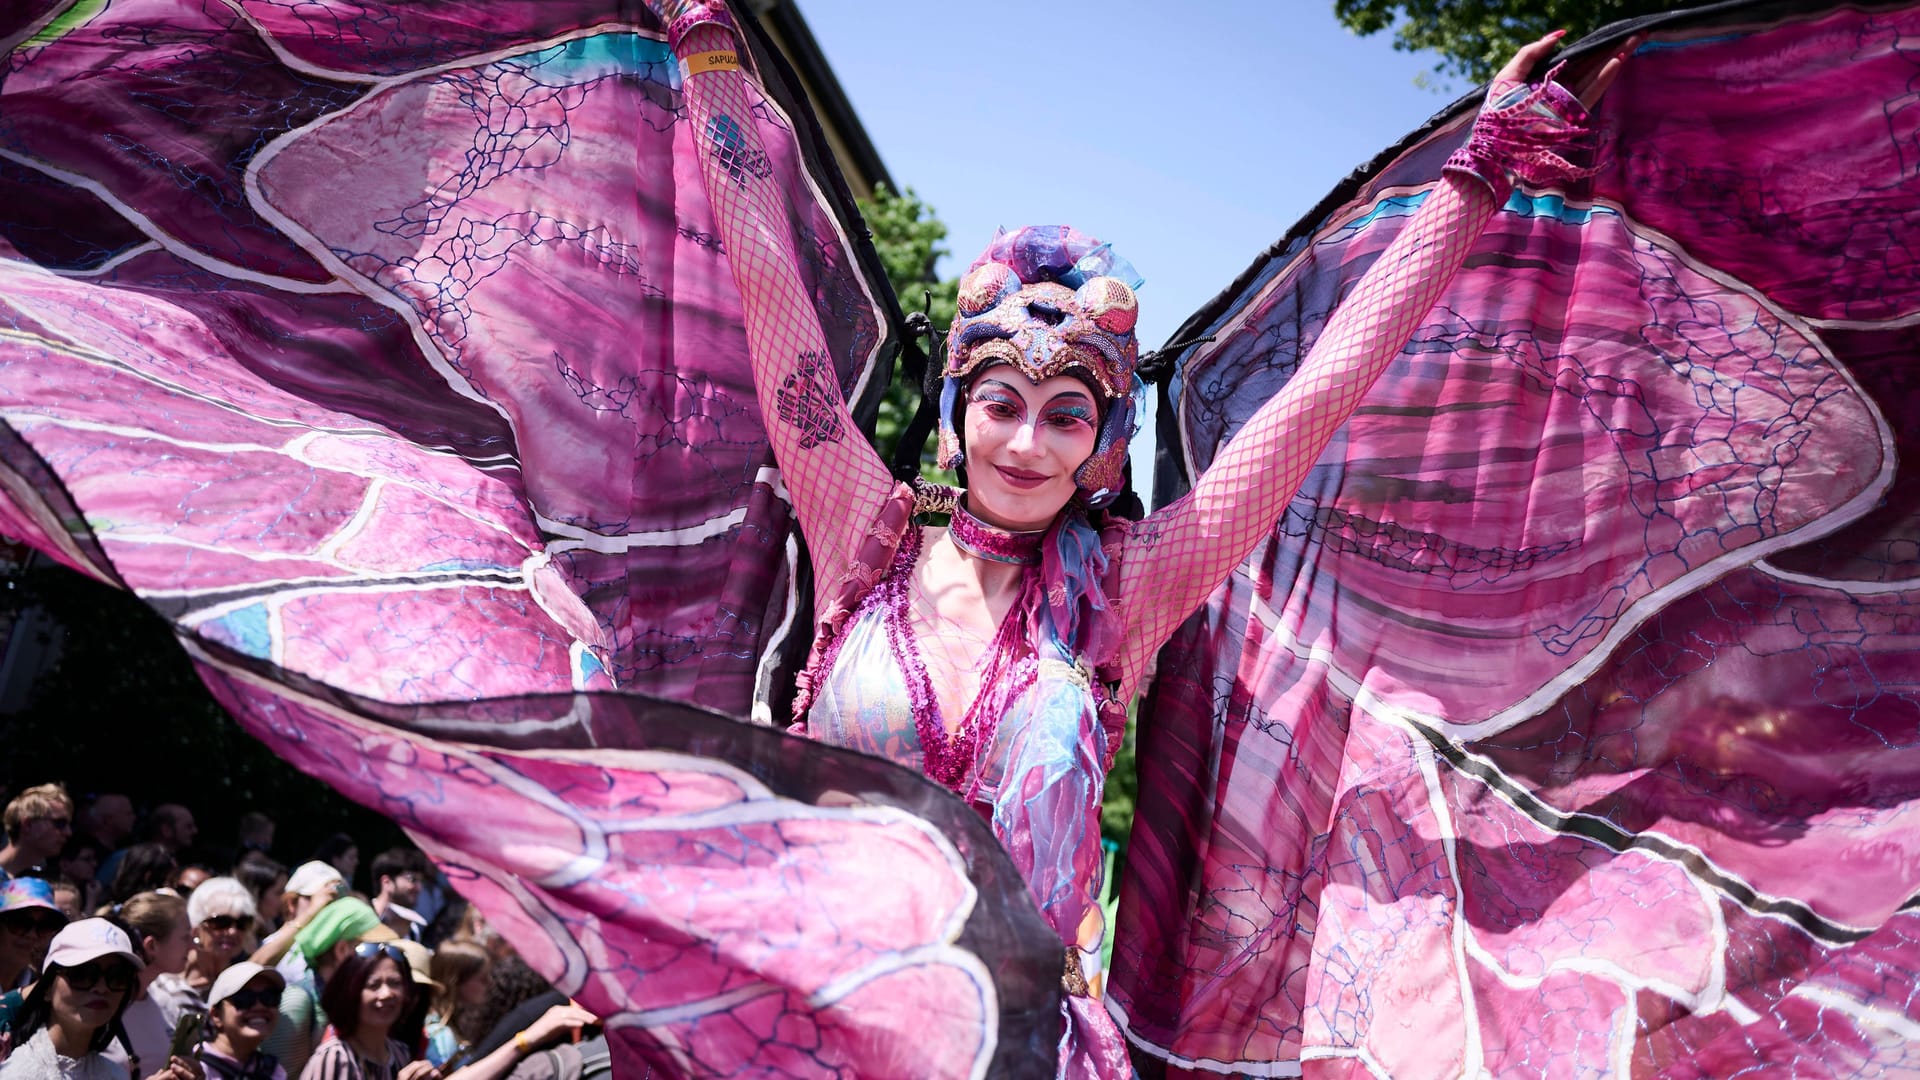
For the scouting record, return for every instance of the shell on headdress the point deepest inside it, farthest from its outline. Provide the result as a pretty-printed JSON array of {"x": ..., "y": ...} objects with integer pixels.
[
  {"x": 1048, "y": 300},
  {"x": 1110, "y": 304},
  {"x": 985, "y": 286}
]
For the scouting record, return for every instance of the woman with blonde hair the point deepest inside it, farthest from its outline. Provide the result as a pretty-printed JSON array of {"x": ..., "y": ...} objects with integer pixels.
[{"x": 156, "y": 923}]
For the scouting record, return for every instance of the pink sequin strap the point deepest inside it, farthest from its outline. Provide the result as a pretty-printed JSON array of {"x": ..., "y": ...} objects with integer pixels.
[
  {"x": 953, "y": 758},
  {"x": 1527, "y": 132}
]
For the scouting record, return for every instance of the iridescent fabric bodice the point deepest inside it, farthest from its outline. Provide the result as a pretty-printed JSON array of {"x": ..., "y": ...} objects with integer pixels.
[
  {"x": 1038, "y": 775},
  {"x": 862, "y": 704}
]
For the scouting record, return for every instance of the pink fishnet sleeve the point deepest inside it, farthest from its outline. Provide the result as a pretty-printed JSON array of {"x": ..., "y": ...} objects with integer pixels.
[
  {"x": 1175, "y": 557},
  {"x": 837, "y": 480}
]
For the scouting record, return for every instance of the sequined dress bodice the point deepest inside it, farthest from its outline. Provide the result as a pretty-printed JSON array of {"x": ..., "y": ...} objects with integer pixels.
[{"x": 877, "y": 686}]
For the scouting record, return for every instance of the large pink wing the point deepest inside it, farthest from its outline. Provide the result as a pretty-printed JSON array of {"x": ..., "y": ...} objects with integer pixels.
[
  {"x": 1567, "y": 724},
  {"x": 728, "y": 900},
  {"x": 347, "y": 316},
  {"x": 391, "y": 352}
]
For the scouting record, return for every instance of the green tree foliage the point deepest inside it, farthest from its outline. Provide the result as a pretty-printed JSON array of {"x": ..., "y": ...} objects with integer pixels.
[
  {"x": 908, "y": 237},
  {"x": 1475, "y": 37},
  {"x": 1123, "y": 783}
]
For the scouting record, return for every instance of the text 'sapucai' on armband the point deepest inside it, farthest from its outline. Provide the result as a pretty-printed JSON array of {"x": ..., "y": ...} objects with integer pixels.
[{"x": 701, "y": 63}]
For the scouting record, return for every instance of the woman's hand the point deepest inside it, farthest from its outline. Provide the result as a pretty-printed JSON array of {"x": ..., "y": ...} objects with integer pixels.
[
  {"x": 418, "y": 1070},
  {"x": 557, "y": 1021},
  {"x": 308, "y": 906},
  {"x": 178, "y": 1068},
  {"x": 1589, "y": 89}
]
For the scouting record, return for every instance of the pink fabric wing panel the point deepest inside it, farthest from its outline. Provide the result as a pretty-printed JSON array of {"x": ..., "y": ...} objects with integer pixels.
[
  {"x": 318, "y": 309},
  {"x": 391, "y": 352},
  {"x": 1569, "y": 718},
  {"x": 729, "y": 900}
]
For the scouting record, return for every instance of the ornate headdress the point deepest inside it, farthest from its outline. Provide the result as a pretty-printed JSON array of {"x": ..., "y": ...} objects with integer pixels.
[{"x": 1050, "y": 301}]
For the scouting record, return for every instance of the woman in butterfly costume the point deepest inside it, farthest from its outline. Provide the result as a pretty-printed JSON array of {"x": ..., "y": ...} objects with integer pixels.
[
  {"x": 1527, "y": 740},
  {"x": 998, "y": 654}
]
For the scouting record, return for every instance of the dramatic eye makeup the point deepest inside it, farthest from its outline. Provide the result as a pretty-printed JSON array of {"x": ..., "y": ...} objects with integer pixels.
[
  {"x": 1070, "y": 410},
  {"x": 994, "y": 392}
]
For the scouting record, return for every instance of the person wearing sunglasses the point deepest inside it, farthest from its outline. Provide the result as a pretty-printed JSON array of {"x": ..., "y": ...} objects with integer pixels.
[
  {"x": 324, "y": 944},
  {"x": 75, "y": 1007},
  {"x": 222, "y": 914},
  {"x": 365, "y": 998},
  {"x": 28, "y": 920},
  {"x": 243, "y": 1005},
  {"x": 38, "y": 822}
]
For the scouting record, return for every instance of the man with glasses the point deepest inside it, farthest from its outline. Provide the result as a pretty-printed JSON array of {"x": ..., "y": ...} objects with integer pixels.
[
  {"x": 399, "y": 874},
  {"x": 38, "y": 822}
]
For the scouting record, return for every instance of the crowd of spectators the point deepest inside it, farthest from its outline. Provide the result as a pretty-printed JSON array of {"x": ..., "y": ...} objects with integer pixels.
[{"x": 131, "y": 949}]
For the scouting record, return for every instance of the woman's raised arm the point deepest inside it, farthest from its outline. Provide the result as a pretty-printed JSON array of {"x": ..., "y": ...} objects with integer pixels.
[
  {"x": 837, "y": 481},
  {"x": 1175, "y": 557}
]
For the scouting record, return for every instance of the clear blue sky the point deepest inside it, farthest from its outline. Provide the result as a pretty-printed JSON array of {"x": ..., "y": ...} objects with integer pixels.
[{"x": 1189, "y": 136}]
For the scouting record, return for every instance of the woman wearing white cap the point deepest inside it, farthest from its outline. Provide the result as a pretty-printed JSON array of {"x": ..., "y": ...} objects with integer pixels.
[
  {"x": 67, "y": 1019},
  {"x": 242, "y": 1007}
]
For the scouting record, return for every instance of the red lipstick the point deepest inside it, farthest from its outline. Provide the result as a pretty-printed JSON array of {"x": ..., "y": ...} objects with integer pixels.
[{"x": 1020, "y": 478}]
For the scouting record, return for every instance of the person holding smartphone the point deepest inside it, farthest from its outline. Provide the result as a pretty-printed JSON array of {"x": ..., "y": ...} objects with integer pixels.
[{"x": 243, "y": 1005}]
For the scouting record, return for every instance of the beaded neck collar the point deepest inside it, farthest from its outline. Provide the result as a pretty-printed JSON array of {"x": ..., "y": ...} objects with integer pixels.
[{"x": 992, "y": 543}]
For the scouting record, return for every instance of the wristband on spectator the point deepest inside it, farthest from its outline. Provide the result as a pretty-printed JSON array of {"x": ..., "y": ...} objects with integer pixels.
[{"x": 520, "y": 1042}]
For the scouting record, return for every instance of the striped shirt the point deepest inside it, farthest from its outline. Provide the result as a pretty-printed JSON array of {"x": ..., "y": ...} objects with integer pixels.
[{"x": 338, "y": 1060}]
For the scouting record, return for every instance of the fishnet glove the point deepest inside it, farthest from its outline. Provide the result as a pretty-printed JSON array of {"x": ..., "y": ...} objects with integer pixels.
[
  {"x": 837, "y": 480},
  {"x": 1175, "y": 557}
]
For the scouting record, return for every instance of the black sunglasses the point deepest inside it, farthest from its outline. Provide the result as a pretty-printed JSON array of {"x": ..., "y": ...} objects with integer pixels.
[
  {"x": 247, "y": 999},
  {"x": 22, "y": 924},
  {"x": 229, "y": 922},
  {"x": 118, "y": 977}
]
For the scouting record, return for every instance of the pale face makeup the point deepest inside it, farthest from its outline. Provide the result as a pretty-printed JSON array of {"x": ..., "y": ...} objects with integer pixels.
[{"x": 1024, "y": 442}]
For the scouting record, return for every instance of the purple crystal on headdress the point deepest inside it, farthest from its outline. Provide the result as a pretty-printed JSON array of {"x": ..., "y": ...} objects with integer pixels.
[{"x": 1059, "y": 253}]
